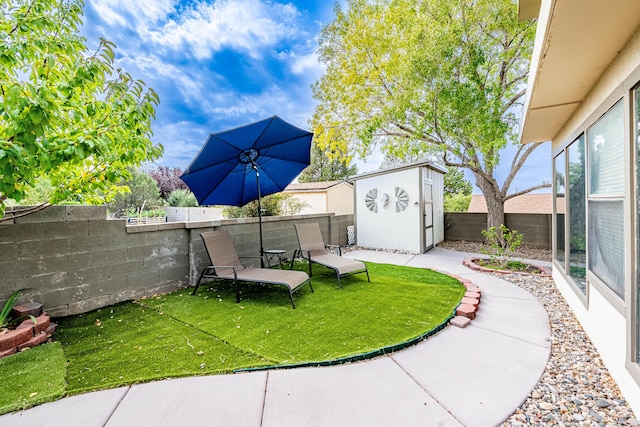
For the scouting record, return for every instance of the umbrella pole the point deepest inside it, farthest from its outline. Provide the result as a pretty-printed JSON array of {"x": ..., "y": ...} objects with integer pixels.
[{"x": 255, "y": 168}]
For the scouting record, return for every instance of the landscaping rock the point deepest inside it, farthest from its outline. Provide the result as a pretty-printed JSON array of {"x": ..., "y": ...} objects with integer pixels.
[{"x": 460, "y": 321}]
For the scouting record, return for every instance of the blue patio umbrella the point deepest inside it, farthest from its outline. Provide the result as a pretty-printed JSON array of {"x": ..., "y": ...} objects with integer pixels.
[{"x": 237, "y": 166}]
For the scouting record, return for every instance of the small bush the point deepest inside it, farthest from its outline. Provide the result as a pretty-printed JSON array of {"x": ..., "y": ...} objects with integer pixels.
[
  {"x": 502, "y": 242},
  {"x": 182, "y": 198}
]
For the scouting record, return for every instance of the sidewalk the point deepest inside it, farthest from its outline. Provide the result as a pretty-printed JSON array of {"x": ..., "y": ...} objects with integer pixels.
[{"x": 476, "y": 376}]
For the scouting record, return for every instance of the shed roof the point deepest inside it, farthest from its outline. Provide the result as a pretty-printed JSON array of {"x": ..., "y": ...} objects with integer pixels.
[
  {"x": 575, "y": 43},
  {"x": 423, "y": 163}
]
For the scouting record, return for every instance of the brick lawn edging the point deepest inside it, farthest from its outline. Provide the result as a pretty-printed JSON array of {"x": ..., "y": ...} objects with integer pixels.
[
  {"x": 27, "y": 334},
  {"x": 469, "y": 305},
  {"x": 471, "y": 263}
]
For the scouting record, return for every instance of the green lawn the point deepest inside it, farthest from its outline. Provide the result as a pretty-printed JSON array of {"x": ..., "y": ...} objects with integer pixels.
[{"x": 179, "y": 335}]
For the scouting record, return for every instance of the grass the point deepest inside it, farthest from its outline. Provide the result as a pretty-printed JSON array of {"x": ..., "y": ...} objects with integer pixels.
[
  {"x": 32, "y": 377},
  {"x": 179, "y": 335}
]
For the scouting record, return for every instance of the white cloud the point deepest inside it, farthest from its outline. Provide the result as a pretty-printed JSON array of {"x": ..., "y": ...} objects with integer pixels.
[
  {"x": 307, "y": 65},
  {"x": 134, "y": 14},
  {"x": 244, "y": 25}
]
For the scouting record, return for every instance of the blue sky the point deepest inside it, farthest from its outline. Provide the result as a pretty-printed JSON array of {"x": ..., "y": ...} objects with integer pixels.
[{"x": 218, "y": 64}]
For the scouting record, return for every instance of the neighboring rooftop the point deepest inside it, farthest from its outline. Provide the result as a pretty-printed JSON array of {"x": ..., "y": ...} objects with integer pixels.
[
  {"x": 526, "y": 203},
  {"x": 313, "y": 186}
]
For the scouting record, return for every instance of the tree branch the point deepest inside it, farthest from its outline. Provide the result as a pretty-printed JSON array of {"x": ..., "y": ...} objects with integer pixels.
[
  {"x": 517, "y": 163},
  {"x": 528, "y": 190},
  {"x": 512, "y": 101}
]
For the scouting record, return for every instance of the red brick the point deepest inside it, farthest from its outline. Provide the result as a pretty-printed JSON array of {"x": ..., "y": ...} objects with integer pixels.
[
  {"x": 15, "y": 338},
  {"x": 471, "y": 301},
  {"x": 52, "y": 328},
  {"x": 26, "y": 324},
  {"x": 29, "y": 308},
  {"x": 42, "y": 323},
  {"x": 8, "y": 352},
  {"x": 470, "y": 294},
  {"x": 466, "y": 310},
  {"x": 37, "y": 340}
]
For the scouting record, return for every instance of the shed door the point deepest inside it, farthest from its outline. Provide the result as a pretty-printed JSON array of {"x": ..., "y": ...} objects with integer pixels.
[{"x": 427, "y": 195}]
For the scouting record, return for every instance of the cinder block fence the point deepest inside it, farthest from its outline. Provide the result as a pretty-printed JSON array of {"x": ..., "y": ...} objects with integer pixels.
[{"x": 72, "y": 259}]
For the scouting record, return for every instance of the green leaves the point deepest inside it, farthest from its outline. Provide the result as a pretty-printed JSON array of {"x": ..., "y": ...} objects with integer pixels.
[
  {"x": 421, "y": 78},
  {"x": 64, "y": 112}
]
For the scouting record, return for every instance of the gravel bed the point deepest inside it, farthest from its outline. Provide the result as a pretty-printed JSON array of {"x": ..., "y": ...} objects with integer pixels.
[
  {"x": 527, "y": 252},
  {"x": 576, "y": 388}
]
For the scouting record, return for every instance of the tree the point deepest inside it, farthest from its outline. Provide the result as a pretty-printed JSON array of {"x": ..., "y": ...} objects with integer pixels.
[
  {"x": 168, "y": 180},
  {"x": 457, "y": 191},
  {"x": 66, "y": 112},
  {"x": 327, "y": 166},
  {"x": 141, "y": 192},
  {"x": 182, "y": 198},
  {"x": 432, "y": 77},
  {"x": 272, "y": 205},
  {"x": 455, "y": 182}
]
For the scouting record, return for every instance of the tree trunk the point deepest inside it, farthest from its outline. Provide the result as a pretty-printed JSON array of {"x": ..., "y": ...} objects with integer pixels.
[{"x": 494, "y": 200}]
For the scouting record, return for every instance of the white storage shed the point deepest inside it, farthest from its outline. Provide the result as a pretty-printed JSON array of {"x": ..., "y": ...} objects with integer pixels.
[{"x": 400, "y": 208}]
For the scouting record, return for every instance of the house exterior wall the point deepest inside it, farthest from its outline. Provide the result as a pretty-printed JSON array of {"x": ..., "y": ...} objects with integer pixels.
[
  {"x": 610, "y": 321},
  {"x": 337, "y": 199},
  {"x": 317, "y": 202},
  {"x": 340, "y": 199}
]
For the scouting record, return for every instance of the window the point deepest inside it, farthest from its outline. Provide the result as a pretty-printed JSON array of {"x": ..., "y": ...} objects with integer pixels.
[
  {"x": 606, "y": 243},
  {"x": 576, "y": 201},
  {"x": 606, "y": 199},
  {"x": 559, "y": 203},
  {"x": 606, "y": 153}
]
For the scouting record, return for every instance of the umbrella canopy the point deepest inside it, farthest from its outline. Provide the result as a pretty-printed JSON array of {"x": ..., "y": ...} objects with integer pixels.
[
  {"x": 237, "y": 166},
  {"x": 224, "y": 170}
]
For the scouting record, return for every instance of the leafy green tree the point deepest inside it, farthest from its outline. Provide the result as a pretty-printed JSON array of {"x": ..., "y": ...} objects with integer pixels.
[
  {"x": 457, "y": 191},
  {"x": 327, "y": 166},
  {"x": 141, "y": 192},
  {"x": 457, "y": 202},
  {"x": 433, "y": 77},
  {"x": 66, "y": 112},
  {"x": 181, "y": 198},
  {"x": 272, "y": 205},
  {"x": 456, "y": 183}
]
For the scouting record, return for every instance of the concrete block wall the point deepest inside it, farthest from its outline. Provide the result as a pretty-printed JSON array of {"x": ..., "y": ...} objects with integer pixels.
[
  {"x": 536, "y": 228},
  {"x": 73, "y": 260}
]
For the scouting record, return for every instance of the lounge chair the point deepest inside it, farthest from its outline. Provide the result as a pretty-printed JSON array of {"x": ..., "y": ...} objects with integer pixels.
[
  {"x": 225, "y": 265},
  {"x": 313, "y": 249}
]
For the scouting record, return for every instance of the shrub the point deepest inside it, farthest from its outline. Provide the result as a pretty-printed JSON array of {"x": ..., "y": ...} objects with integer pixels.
[
  {"x": 502, "y": 244},
  {"x": 182, "y": 198}
]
